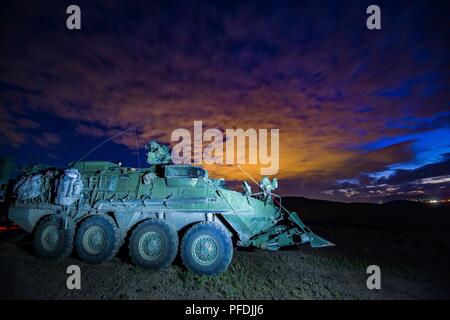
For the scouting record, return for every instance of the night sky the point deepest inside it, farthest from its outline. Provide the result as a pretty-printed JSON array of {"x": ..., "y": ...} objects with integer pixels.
[{"x": 363, "y": 115}]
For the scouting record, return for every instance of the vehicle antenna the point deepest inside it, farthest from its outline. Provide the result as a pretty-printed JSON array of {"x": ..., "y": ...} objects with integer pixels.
[
  {"x": 278, "y": 202},
  {"x": 109, "y": 139},
  {"x": 137, "y": 147},
  {"x": 248, "y": 175}
]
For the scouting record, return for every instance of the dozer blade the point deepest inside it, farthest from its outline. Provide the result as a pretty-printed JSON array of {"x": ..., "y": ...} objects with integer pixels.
[
  {"x": 314, "y": 240},
  {"x": 317, "y": 242}
]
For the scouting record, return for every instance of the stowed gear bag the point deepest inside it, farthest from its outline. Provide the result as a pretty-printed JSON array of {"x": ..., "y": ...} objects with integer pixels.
[
  {"x": 69, "y": 187},
  {"x": 28, "y": 187}
]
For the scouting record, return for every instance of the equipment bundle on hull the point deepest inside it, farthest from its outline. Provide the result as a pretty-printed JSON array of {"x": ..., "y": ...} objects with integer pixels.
[{"x": 97, "y": 206}]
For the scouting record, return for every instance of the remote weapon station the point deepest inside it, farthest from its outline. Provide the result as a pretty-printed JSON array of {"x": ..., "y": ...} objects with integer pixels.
[{"x": 160, "y": 210}]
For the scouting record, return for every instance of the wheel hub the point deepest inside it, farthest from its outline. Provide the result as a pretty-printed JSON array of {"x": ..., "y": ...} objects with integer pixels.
[
  {"x": 94, "y": 240},
  {"x": 150, "y": 245},
  {"x": 50, "y": 238},
  {"x": 205, "y": 250}
]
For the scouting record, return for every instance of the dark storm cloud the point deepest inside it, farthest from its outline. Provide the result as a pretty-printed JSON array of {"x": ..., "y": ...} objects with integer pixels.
[
  {"x": 425, "y": 182},
  {"x": 421, "y": 174},
  {"x": 312, "y": 70}
]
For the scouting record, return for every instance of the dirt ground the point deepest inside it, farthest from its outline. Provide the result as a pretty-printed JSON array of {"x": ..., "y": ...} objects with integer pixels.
[{"x": 304, "y": 273}]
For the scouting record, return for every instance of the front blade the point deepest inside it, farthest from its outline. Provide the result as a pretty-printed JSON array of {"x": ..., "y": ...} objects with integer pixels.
[
  {"x": 318, "y": 242},
  {"x": 314, "y": 240}
]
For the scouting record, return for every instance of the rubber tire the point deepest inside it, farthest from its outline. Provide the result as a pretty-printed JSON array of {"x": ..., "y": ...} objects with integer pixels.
[
  {"x": 113, "y": 239},
  {"x": 225, "y": 248},
  {"x": 170, "y": 239},
  {"x": 64, "y": 248}
]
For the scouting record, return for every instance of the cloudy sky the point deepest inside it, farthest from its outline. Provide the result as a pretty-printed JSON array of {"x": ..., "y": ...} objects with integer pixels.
[{"x": 363, "y": 115}]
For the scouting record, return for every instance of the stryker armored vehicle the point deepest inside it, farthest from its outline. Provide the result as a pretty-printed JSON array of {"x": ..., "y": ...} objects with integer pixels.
[{"x": 96, "y": 206}]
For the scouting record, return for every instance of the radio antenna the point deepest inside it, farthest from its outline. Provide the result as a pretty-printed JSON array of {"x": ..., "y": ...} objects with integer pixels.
[
  {"x": 248, "y": 175},
  {"x": 278, "y": 202},
  {"x": 137, "y": 147},
  {"x": 109, "y": 139}
]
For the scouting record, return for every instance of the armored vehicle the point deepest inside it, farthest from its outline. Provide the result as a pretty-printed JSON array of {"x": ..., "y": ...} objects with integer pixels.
[{"x": 96, "y": 206}]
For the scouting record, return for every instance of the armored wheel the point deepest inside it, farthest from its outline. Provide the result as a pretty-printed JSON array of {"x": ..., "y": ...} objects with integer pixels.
[
  {"x": 53, "y": 237},
  {"x": 98, "y": 239},
  {"x": 207, "y": 249},
  {"x": 153, "y": 244}
]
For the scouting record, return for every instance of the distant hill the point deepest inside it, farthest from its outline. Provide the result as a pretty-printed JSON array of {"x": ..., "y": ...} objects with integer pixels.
[{"x": 396, "y": 214}]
